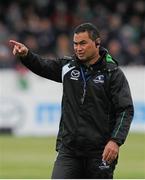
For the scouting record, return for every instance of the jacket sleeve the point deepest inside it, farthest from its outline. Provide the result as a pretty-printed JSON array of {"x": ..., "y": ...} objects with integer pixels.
[
  {"x": 122, "y": 105},
  {"x": 47, "y": 68}
]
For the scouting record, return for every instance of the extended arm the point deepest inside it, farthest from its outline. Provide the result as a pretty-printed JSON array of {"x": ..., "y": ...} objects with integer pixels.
[{"x": 50, "y": 69}]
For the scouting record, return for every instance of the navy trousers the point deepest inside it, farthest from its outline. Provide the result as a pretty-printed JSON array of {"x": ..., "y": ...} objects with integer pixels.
[{"x": 67, "y": 166}]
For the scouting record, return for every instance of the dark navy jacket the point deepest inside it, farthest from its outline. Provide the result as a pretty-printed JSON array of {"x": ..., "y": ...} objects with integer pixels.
[{"x": 96, "y": 104}]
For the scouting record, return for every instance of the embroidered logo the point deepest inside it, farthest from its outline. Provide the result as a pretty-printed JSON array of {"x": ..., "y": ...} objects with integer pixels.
[
  {"x": 104, "y": 165},
  {"x": 99, "y": 79},
  {"x": 75, "y": 74}
]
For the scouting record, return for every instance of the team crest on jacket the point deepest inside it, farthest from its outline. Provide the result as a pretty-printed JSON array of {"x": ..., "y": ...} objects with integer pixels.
[
  {"x": 75, "y": 74},
  {"x": 99, "y": 79}
]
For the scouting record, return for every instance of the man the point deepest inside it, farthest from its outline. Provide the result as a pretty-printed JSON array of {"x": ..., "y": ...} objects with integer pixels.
[{"x": 97, "y": 107}]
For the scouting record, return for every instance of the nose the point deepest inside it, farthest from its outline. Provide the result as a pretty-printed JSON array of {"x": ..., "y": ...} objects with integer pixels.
[{"x": 79, "y": 47}]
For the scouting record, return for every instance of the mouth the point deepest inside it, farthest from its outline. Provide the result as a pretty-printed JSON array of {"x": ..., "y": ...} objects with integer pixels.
[{"x": 80, "y": 54}]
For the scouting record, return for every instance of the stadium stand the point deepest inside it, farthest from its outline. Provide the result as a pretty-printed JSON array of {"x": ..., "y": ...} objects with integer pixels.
[{"x": 46, "y": 27}]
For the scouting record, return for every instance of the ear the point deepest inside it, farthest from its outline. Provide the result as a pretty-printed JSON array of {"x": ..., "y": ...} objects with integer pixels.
[{"x": 97, "y": 42}]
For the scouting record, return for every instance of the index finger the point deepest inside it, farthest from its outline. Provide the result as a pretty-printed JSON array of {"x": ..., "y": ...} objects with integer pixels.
[{"x": 15, "y": 43}]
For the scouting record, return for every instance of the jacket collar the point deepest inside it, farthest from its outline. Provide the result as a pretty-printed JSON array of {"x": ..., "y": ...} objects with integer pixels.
[{"x": 105, "y": 62}]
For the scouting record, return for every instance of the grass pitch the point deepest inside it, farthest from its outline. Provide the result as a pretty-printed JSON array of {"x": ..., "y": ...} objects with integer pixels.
[{"x": 33, "y": 157}]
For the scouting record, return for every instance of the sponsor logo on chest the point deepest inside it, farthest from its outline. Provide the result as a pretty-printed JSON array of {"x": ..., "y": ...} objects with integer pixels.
[
  {"x": 99, "y": 79},
  {"x": 75, "y": 74}
]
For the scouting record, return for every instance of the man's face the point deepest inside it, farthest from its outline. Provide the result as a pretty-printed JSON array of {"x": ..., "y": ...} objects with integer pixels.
[{"x": 84, "y": 47}]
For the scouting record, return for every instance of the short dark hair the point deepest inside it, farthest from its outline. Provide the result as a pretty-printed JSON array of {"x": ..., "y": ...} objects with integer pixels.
[{"x": 90, "y": 28}]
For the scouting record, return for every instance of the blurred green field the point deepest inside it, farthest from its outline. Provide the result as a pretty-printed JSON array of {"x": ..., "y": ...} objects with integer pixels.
[{"x": 33, "y": 158}]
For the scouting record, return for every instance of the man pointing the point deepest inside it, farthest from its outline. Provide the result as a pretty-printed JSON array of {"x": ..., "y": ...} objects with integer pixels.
[{"x": 97, "y": 107}]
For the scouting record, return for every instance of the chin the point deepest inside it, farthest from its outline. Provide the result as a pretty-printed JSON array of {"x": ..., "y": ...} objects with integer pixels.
[{"x": 81, "y": 58}]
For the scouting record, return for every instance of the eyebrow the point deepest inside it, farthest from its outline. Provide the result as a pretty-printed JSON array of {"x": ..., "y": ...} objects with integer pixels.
[{"x": 83, "y": 41}]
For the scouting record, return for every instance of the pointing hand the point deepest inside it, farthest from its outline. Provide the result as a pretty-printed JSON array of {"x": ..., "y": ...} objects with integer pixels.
[{"x": 18, "y": 48}]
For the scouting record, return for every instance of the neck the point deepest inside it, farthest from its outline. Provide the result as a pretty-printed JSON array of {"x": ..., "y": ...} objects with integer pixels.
[{"x": 92, "y": 60}]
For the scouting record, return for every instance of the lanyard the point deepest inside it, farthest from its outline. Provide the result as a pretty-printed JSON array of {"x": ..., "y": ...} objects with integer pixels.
[{"x": 85, "y": 79}]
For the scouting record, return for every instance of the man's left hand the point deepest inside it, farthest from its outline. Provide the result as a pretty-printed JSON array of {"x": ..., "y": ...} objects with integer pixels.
[{"x": 111, "y": 151}]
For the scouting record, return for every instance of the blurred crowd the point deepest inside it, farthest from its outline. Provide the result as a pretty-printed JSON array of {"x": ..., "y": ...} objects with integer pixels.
[{"x": 46, "y": 27}]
